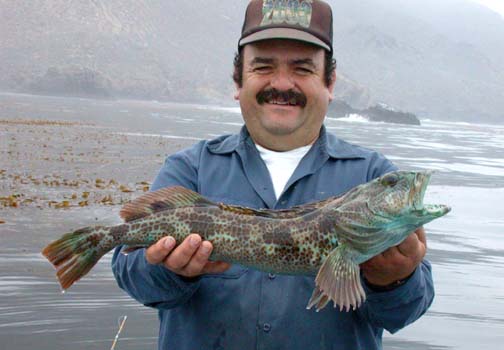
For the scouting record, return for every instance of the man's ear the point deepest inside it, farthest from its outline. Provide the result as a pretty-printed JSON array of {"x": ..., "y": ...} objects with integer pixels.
[
  {"x": 237, "y": 92},
  {"x": 332, "y": 85}
]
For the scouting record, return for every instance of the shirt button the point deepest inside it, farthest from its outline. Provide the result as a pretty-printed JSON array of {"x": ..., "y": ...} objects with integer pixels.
[
  {"x": 271, "y": 276},
  {"x": 266, "y": 327}
]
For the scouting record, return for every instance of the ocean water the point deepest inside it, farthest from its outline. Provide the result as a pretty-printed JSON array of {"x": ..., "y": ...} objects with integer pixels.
[{"x": 466, "y": 247}]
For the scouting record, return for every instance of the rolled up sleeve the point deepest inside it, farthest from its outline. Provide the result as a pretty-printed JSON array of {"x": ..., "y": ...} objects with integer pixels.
[{"x": 151, "y": 285}]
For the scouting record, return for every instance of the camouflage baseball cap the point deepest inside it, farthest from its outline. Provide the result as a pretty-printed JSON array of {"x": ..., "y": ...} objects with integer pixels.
[{"x": 305, "y": 20}]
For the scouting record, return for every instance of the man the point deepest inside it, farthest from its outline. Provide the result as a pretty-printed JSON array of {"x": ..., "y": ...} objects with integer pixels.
[{"x": 285, "y": 76}]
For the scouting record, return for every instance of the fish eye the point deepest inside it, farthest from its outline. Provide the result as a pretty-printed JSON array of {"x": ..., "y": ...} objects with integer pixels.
[{"x": 390, "y": 180}]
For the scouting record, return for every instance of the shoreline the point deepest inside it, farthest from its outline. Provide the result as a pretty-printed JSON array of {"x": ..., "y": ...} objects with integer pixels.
[{"x": 62, "y": 166}]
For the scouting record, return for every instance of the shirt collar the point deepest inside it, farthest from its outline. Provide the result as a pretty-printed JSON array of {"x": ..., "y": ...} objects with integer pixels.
[{"x": 327, "y": 142}]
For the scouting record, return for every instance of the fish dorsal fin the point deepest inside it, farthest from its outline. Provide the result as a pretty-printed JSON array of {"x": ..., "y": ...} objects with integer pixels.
[
  {"x": 266, "y": 213},
  {"x": 310, "y": 207},
  {"x": 290, "y": 213},
  {"x": 163, "y": 199}
]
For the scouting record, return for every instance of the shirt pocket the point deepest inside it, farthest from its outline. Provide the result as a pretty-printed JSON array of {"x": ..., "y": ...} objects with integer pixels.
[{"x": 234, "y": 272}]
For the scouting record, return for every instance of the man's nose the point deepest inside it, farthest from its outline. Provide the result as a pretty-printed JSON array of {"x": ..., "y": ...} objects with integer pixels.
[{"x": 282, "y": 80}]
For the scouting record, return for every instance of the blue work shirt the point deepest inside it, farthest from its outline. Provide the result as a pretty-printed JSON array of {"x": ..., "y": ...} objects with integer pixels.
[{"x": 246, "y": 309}]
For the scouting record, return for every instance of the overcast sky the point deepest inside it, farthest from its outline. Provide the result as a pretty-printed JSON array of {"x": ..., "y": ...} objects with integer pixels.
[{"x": 496, "y": 5}]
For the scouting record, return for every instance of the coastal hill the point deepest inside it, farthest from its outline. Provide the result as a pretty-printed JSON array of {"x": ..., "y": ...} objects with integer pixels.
[{"x": 440, "y": 60}]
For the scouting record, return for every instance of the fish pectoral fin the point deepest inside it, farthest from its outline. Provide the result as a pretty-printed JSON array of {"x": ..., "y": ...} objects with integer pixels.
[
  {"x": 163, "y": 199},
  {"x": 338, "y": 280},
  {"x": 318, "y": 299}
]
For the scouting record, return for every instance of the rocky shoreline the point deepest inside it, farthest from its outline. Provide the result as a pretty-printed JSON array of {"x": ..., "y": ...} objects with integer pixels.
[{"x": 377, "y": 113}]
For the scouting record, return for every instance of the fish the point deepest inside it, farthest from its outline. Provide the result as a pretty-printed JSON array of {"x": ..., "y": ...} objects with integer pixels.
[{"x": 327, "y": 239}]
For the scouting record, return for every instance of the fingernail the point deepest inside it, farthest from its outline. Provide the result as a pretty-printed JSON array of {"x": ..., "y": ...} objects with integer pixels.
[
  {"x": 194, "y": 240},
  {"x": 205, "y": 248},
  {"x": 169, "y": 242}
]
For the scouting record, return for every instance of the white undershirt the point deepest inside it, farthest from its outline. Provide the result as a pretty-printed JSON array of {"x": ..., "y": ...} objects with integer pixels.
[{"x": 281, "y": 165}]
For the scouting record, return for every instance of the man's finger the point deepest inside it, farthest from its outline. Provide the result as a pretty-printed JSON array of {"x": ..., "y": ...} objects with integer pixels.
[
  {"x": 412, "y": 247},
  {"x": 157, "y": 252},
  {"x": 391, "y": 254},
  {"x": 181, "y": 255},
  {"x": 420, "y": 232},
  {"x": 198, "y": 260}
]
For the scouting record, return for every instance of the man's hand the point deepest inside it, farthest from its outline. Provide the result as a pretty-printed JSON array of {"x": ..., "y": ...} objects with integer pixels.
[
  {"x": 397, "y": 262},
  {"x": 188, "y": 259}
]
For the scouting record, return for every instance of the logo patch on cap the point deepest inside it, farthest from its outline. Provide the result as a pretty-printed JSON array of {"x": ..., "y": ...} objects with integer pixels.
[{"x": 287, "y": 11}]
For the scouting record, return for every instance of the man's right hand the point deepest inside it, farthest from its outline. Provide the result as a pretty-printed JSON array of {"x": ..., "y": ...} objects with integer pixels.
[{"x": 188, "y": 259}]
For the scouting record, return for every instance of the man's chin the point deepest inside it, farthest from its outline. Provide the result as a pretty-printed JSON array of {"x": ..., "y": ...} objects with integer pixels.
[
  {"x": 281, "y": 114},
  {"x": 281, "y": 129}
]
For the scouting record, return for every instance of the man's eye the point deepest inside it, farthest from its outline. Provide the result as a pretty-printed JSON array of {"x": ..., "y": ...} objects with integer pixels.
[
  {"x": 303, "y": 70},
  {"x": 262, "y": 69}
]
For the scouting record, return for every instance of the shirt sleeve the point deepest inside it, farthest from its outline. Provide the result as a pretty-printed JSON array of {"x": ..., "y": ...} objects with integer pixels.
[
  {"x": 379, "y": 165},
  {"x": 395, "y": 309},
  {"x": 154, "y": 285}
]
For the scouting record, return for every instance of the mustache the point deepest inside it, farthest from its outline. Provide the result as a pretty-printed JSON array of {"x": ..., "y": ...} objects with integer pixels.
[{"x": 290, "y": 96}]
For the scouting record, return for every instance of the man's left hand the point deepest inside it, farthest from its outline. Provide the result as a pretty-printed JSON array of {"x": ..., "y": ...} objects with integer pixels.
[{"x": 396, "y": 263}]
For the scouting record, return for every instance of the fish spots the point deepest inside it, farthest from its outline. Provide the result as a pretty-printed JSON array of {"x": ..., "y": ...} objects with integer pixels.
[
  {"x": 325, "y": 226},
  {"x": 94, "y": 240},
  {"x": 184, "y": 215},
  {"x": 168, "y": 228},
  {"x": 243, "y": 232},
  {"x": 118, "y": 232},
  {"x": 135, "y": 227},
  {"x": 203, "y": 228},
  {"x": 280, "y": 236}
]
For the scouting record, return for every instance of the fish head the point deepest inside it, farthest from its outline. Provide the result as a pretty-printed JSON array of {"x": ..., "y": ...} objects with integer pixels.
[
  {"x": 400, "y": 195},
  {"x": 383, "y": 212}
]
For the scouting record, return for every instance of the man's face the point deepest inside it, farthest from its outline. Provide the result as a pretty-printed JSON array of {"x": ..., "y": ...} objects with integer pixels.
[{"x": 283, "y": 97}]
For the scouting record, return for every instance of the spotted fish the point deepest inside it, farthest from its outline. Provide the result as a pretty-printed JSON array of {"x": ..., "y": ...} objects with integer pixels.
[{"x": 328, "y": 239}]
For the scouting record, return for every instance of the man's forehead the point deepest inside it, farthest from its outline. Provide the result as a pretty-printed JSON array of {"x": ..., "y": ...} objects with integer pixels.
[{"x": 280, "y": 48}]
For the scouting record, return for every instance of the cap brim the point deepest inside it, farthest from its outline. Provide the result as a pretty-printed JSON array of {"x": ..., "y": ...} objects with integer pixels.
[{"x": 283, "y": 33}]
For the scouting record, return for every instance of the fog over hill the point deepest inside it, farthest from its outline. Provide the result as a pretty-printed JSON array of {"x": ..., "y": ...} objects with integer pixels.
[{"x": 438, "y": 59}]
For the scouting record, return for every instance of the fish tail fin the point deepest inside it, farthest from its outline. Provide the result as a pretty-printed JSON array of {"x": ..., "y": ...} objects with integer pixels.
[{"x": 75, "y": 253}]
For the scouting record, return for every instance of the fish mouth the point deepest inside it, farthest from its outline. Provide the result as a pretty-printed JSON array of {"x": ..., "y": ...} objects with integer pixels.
[
  {"x": 417, "y": 193},
  {"x": 435, "y": 210},
  {"x": 418, "y": 188}
]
